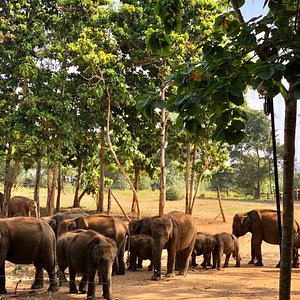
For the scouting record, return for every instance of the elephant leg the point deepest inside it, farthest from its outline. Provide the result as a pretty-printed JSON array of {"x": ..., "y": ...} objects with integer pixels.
[
  {"x": 82, "y": 284},
  {"x": 121, "y": 270},
  {"x": 257, "y": 251},
  {"x": 73, "y": 289},
  {"x": 140, "y": 263},
  {"x": 226, "y": 261},
  {"x": 150, "y": 267},
  {"x": 61, "y": 276},
  {"x": 295, "y": 263},
  {"x": 107, "y": 290},
  {"x": 194, "y": 264},
  {"x": 38, "y": 278},
  {"x": 2, "y": 279},
  {"x": 91, "y": 284},
  {"x": 171, "y": 261},
  {"x": 185, "y": 256},
  {"x": 252, "y": 261},
  {"x": 53, "y": 287}
]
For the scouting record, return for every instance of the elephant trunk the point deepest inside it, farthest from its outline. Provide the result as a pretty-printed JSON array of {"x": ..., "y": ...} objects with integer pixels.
[{"x": 157, "y": 261}]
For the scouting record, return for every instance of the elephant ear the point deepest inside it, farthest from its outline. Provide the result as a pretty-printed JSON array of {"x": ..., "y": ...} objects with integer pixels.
[
  {"x": 246, "y": 221},
  {"x": 80, "y": 223},
  {"x": 71, "y": 226},
  {"x": 52, "y": 223}
]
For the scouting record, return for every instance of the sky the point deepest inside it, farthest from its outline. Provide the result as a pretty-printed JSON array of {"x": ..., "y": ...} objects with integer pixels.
[{"x": 250, "y": 9}]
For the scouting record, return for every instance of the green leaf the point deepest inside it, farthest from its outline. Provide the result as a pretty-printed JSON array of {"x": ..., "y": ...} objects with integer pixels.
[
  {"x": 266, "y": 73},
  {"x": 234, "y": 138},
  {"x": 240, "y": 3}
]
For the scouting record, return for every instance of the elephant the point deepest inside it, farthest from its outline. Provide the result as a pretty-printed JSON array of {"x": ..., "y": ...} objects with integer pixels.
[
  {"x": 175, "y": 231},
  {"x": 86, "y": 252},
  {"x": 140, "y": 246},
  {"x": 22, "y": 205},
  {"x": 226, "y": 243},
  {"x": 55, "y": 219},
  {"x": 262, "y": 223},
  {"x": 107, "y": 225},
  {"x": 26, "y": 240},
  {"x": 142, "y": 226},
  {"x": 204, "y": 245},
  {"x": 1, "y": 201}
]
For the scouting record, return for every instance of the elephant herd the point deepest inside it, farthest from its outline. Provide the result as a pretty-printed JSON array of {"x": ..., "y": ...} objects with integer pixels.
[{"x": 95, "y": 244}]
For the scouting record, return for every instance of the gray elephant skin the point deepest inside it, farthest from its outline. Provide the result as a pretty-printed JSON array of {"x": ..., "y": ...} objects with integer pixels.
[
  {"x": 87, "y": 252},
  {"x": 204, "y": 245},
  {"x": 140, "y": 246},
  {"x": 21, "y": 204},
  {"x": 226, "y": 243},
  {"x": 25, "y": 240},
  {"x": 57, "y": 218},
  {"x": 109, "y": 226},
  {"x": 262, "y": 223},
  {"x": 175, "y": 231}
]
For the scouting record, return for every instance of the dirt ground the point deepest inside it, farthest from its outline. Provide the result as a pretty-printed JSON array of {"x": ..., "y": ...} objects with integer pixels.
[{"x": 246, "y": 282}]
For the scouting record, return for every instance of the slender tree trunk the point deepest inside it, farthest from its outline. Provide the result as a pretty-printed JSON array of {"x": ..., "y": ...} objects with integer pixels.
[
  {"x": 136, "y": 186},
  {"x": 100, "y": 202},
  {"x": 76, "y": 202},
  {"x": 257, "y": 191},
  {"x": 36, "y": 194},
  {"x": 51, "y": 179},
  {"x": 163, "y": 169},
  {"x": 193, "y": 176},
  {"x": 288, "y": 202},
  {"x": 59, "y": 186},
  {"x": 196, "y": 190},
  {"x": 187, "y": 174}
]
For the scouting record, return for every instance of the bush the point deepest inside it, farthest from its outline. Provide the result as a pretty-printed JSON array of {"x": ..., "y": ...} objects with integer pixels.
[{"x": 176, "y": 191}]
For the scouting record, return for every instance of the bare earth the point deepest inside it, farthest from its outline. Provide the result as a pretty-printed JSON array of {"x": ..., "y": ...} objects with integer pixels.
[{"x": 246, "y": 282}]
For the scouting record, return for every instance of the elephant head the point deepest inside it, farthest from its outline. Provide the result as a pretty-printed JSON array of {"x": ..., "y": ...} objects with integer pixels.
[
  {"x": 241, "y": 224},
  {"x": 65, "y": 226},
  {"x": 162, "y": 231},
  {"x": 135, "y": 227},
  {"x": 31, "y": 206}
]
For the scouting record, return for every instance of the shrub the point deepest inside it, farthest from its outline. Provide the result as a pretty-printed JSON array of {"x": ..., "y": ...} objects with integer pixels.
[{"x": 176, "y": 191}]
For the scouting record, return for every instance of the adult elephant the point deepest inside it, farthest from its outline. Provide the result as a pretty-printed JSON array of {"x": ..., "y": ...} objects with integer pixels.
[
  {"x": 262, "y": 223},
  {"x": 86, "y": 252},
  {"x": 26, "y": 240},
  {"x": 23, "y": 205},
  {"x": 109, "y": 226},
  {"x": 175, "y": 231},
  {"x": 142, "y": 226},
  {"x": 57, "y": 218}
]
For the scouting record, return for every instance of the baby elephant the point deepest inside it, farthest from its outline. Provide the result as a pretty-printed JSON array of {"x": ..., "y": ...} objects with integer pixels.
[
  {"x": 86, "y": 252},
  {"x": 225, "y": 243},
  {"x": 22, "y": 205},
  {"x": 204, "y": 245},
  {"x": 141, "y": 246}
]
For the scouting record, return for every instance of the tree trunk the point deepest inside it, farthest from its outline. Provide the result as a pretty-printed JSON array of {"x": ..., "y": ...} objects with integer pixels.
[
  {"x": 257, "y": 190},
  {"x": 51, "y": 179},
  {"x": 100, "y": 202},
  {"x": 196, "y": 190},
  {"x": 136, "y": 186},
  {"x": 59, "y": 187},
  {"x": 187, "y": 174},
  {"x": 36, "y": 194},
  {"x": 76, "y": 202},
  {"x": 288, "y": 202},
  {"x": 9, "y": 178},
  {"x": 193, "y": 176},
  {"x": 163, "y": 169}
]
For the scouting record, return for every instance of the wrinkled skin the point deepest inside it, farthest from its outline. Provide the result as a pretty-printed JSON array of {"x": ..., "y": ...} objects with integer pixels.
[
  {"x": 87, "y": 252},
  {"x": 204, "y": 245},
  {"x": 226, "y": 243},
  {"x": 142, "y": 226},
  {"x": 262, "y": 223},
  {"x": 25, "y": 240},
  {"x": 141, "y": 246},
  {"x": 57, "y": 218},
  {"x": 175, "y": 231},
  {"x": 23, "y": 205},
  {"x": 107, "y": 225}
]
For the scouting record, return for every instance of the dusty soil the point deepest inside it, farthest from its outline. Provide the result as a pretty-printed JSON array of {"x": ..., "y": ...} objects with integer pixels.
[{"x": 246, "y": 282}]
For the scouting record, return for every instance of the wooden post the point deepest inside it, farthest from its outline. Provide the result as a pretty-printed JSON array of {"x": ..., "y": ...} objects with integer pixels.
[
  {"x": 220, "y": 204},
  {"x": 123, "y": 211}
]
